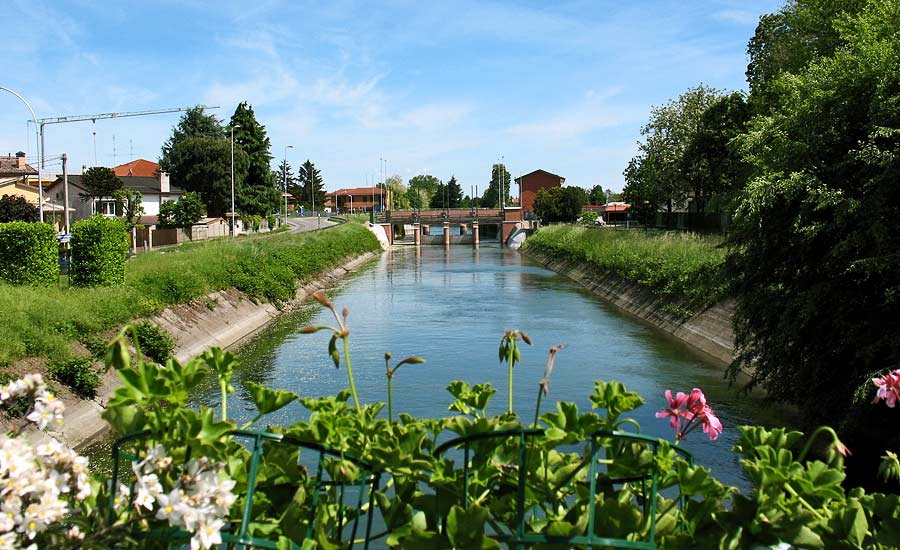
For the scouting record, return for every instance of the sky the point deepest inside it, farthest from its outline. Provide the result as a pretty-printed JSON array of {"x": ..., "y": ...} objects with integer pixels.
[{"x": 440, "y": 88}]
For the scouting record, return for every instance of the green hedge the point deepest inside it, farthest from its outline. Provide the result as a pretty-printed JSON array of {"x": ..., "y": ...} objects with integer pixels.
[
  {"x": 99, "y": 250},
  {"x": 29, "y": 254}
]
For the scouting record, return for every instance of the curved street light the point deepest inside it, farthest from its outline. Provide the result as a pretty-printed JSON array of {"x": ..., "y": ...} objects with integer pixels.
[{"x": 40, "y": 153}]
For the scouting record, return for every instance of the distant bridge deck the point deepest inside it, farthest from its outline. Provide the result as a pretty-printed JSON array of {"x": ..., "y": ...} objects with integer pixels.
[{"x": 453, "y": 215}]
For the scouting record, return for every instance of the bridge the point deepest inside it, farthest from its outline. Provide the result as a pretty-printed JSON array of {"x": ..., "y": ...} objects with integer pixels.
[{"x": 433, "y": 226}]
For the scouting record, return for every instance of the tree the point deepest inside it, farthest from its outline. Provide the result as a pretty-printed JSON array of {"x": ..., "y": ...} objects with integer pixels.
[
  {"x": 15, "y": 208},
  {"x": 597, "y": 195},
  {"x": 560, "y": 204},
  {"x": 656, "y": 175},
  {"x": 259, "y": 195},
  {"x": 188, "y": 210},
  {"x": 203, "y": 165},
  {"x": 397, "y": 199},
  {"x": 813, "y": 252},
  {"x": 132, "y": 210},
  {"x": 99, "y": 182},
  {"x": 311, "y": 185},
  {"x": 422, "y": 190},
  {"x": 193, "y": 123},
  {"x": 491, "y": 196},
  {"x": 454, "y": 193}
]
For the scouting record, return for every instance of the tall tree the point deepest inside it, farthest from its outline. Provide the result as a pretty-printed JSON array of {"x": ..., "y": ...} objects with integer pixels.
[
  {"x": 259, "y": 195},
  {"x": 814, "y": 248},
  {"x": 422, "y": 189},
  {"x": 398, "y": 199},
  {"x": 454, "y": 193},
  {"x": 560, "y": 204},
  {"x": 656, "y": 175},
  {"x": 311, "y": 185},
  {"x": 99, "y": 182},
  {"x": 491, "y": 196},
  {"x": 195, "y": 122},
  {"x": 285, "y": 179},
  {"x": 597, "y": 195},
  {"x": 203, "y": 165}
]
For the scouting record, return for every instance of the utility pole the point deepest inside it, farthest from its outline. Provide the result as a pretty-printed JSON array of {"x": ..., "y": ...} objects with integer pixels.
[{"x": 66, "y": 192}]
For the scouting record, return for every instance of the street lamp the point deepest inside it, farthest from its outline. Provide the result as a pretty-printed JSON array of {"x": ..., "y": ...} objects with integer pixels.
[
  {"x": 286, "y": 147},
  {"x": 233, "y": 232},
  {"x": 40, "y": 154}
]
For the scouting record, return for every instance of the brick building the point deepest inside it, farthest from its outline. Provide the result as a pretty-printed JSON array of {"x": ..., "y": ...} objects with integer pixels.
[{"x": 531, "y": 183}]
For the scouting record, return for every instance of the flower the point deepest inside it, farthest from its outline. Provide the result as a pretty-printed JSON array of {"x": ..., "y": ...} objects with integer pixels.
[
  {"x": 888, "y": 388},
  {"x": 687, "y": 412}
]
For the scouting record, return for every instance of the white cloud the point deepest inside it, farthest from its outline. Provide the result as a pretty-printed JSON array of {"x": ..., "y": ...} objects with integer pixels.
[{"x": 739, "y": 17}]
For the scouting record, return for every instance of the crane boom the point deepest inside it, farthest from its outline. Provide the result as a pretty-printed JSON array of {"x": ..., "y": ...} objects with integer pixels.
[{"x": 100, "y": 116}]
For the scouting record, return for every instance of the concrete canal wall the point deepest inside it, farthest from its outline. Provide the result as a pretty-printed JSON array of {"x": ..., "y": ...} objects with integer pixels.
[{"x": 708, "y": 331}]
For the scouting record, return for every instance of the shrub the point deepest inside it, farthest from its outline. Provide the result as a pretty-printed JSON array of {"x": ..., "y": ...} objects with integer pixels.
[
  {"x": 252, "y": 221},
  {"x": 99, "y": 250},
  {"x": 272, "y": 221},
  {"x": 155, "y": 342},
  {"x": 29, "y": 254},
  {"x": 16, "y": 208},
  {"x": 79, "y": 374}
]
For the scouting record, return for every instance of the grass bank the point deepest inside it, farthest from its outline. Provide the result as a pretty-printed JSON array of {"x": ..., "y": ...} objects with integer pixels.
[
  {"x": 44, "y": 322},
  {"x": 680, "y": 265}
]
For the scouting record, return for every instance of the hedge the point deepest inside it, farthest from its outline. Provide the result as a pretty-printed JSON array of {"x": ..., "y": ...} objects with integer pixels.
[
  {"x": 29, "y": 254},
  {"x": 99, "y": 249}
]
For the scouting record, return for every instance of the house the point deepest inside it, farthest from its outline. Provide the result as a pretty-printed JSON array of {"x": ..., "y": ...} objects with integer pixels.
[
  {"x": 15, "y": 170},
  {"x": 151, "y": 183},
  {"x": 532, "y": 182},
  {"x": 15, "y": 175},
  {"x": 355, "y": 199}
]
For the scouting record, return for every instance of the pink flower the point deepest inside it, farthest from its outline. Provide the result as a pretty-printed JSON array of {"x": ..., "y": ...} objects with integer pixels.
[
  {"x": 888, "y": 388},
  {"x": 687, "y": 412}
]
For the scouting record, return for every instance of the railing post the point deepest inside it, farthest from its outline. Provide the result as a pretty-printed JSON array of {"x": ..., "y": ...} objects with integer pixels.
[{"x": 475, "y": 232}]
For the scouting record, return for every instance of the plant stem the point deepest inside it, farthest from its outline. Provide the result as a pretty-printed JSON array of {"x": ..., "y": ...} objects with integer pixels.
[
  {"x": 223, "y": 385},
  {"x": 390, "y": 400},
  {"x": 815, "y": 434},
  {"x": 350, "y": 374},
  {"x": 537, "y": 409},
  {"x": 512, "y": 361}
]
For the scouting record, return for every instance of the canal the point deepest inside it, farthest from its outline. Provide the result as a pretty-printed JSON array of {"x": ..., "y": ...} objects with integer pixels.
[{"x": 451, "y": 307}]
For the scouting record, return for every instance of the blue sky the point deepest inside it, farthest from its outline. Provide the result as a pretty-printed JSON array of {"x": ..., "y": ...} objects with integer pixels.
[{"x": 432, "y": 87}]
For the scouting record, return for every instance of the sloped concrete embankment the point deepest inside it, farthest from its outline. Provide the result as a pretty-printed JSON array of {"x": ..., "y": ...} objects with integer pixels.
[
  {"x": 223, "y": 319},
  {"x": 708, "y": 331}
]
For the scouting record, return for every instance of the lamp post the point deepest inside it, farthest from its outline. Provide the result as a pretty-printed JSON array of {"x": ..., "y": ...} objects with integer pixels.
[
  {"x": 40, "y": 154},
  {"x": 233, "y": 232},
  {"x": 286, "y": 147}
]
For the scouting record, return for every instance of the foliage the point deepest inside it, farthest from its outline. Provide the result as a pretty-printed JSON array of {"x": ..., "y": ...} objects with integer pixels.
[
  {"x": 28, "y": 254},
  {"x": 16, "y": 208},
  {"x": 193, "y": 123},
  {"x": 677, "y": 265},
  {"x": 252, "y": 222},
  {"x": 588, "y": 218},
  {"x": 423, "y": 190},
  {"x": 44, "y": 322},
  {"x": 258, "y": 192},
  {"x": 491, "y": 196},
  {"x": 285, "y": 179},
  {"x": 398, "y": 199},
  {"x": 559, "y": 204},
  {"x": 311, "y": 191},
  {"x": 100, "y": 247},
  {"x": 99, "y": 182},
  {"x": 814, "y": 252},
  {"x": 78, "y": 373},
  {"x": 272, "y": 221},
  {"x": 203, "y": 165},
  {"x": 155, "y": 342},
  {"x": 657, "y": 175},
  {"x": 597, "y": 195},
  {"x": 131, "y": 205},
  {"x": 188, "y": 210}
]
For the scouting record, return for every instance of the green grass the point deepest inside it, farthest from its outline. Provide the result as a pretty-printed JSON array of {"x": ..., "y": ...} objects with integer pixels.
[
  {"x": 679, "y": 265},
  {"x": 43, "y": 322}
]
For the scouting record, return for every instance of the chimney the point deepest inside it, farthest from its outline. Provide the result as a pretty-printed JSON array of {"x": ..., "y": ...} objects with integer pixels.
[
  {"x": 164, "y": 186},
  {"x": 20, "y": 160}
]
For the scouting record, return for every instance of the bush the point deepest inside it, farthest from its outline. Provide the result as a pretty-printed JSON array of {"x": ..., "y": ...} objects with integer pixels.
[
  {"x": 272, "y": 221},
  {"x": 252, "y": 221},
  {"x": 29, "y": 254},
  {"x": 155, "y": 342},
  {"x": 79, "y": 374},
  {"x": 16, "y": 208},
  {"x": 99, "y": 250}
]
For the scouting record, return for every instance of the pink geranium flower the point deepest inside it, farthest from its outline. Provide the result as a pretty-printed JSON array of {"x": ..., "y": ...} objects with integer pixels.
[
  {"x": 687, "y": 412},
  {"x": 888, "y": 388}
]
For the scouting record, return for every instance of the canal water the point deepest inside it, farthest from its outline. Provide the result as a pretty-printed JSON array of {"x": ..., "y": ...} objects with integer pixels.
[{"x": 451, "y": 307}]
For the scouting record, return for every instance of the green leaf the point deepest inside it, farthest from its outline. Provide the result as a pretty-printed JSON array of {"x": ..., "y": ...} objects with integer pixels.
[
  {"x": 268, "y": 400},
  {"x": 465, "y": 528},
  {"x": 212, "y": 431}
]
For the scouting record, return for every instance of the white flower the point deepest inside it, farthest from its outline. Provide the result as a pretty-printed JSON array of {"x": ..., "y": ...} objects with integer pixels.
[
  {"x": 208, "y": 535},
  {"x": 171, "y": 507},
  {"x": 75, "y": 533},
  {"x": 8, "y": 541}
]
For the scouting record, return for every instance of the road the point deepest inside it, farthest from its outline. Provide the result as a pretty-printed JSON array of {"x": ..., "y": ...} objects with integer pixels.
[{"x": 299, "y": 225}]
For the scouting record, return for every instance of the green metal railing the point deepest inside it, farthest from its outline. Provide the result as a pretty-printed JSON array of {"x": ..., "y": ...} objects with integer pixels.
[
  {"x": 238, "y": 536},
  {"x": 599, "y": 458}
]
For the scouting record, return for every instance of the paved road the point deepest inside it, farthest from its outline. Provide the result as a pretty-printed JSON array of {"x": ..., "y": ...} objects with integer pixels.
[{"x": 308, "y": 224}]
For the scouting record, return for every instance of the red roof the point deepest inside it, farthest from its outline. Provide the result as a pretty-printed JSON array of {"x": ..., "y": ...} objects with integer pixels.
[
  {"x": 356, "y": 191},
  {"x": 139, "y": 167}
]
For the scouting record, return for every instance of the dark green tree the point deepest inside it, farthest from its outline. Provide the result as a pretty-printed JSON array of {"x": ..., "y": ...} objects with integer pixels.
[
  {"x": 132, "y": 209},
  {"x": 312, "y": 186},
  {"x": 258, "y": 193},
  {"x": 203, "y": 165},
  {"x": 814, "y": 249},
  {"x": 99, "y": 182},
  {"x": 560, "y": 204},
  {"x": 188, "y": 210},
  {"x": 286, "y": 174},
  {"x": 597, "y": 195},
  {"x": 491, "y": 196},
  {"x": 195, "y": 122},
  {"x": 454, "y": 193},
  {"x": 15, "y": 208}
]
